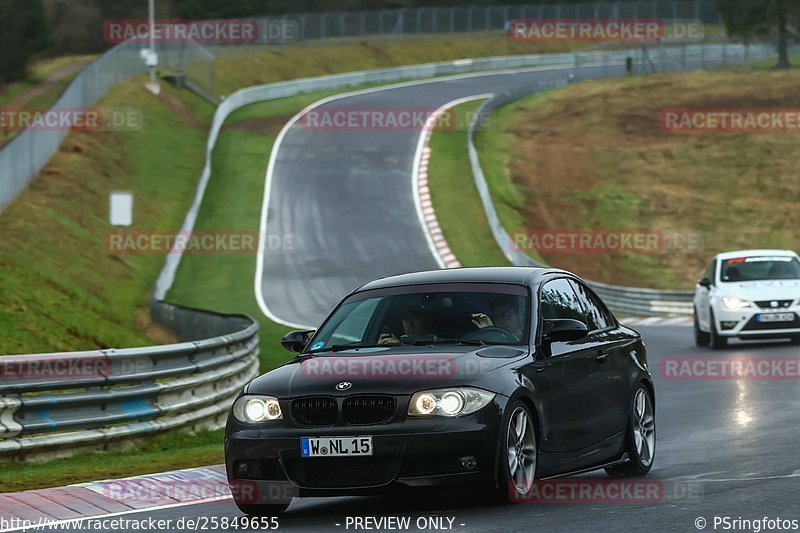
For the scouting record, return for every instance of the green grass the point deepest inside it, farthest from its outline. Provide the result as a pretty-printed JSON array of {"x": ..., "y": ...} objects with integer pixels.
[
  {"x": 61, "y": 290},
  {"x": 244, "y": 66},
  {"x": 169, "y": 451},
  {"x": 455, "y": 196},
  {"x": 36, "y": 77}
]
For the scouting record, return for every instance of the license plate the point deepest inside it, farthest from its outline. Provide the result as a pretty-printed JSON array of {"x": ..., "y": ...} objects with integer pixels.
[
  {"x": 776, "y": 317},
  {"x": 335, "y": 446}
]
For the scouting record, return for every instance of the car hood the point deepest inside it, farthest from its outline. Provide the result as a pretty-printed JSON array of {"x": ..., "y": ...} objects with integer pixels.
[
  {"x": 382, "y": 371},
  {"x": 779, "y": 289}
]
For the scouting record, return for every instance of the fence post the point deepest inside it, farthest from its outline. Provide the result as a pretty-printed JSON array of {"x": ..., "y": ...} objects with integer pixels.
[
  {"x": 419, "y": 20},
  {"x": 363, "y": 23},
  {"x": 342, "y": 24},
  {"x": 322, "y": 21},
  {"x": 452, "y": 20}
]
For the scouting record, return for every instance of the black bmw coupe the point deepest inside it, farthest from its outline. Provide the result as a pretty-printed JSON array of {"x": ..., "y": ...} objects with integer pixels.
[{"x": 489, "y": 376}]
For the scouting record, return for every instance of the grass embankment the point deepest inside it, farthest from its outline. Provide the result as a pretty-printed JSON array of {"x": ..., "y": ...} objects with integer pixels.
[
  {"x": 243, "y": 66},
  {"x": 595, "y": 156},
  {"x": 61, "y": 290}
]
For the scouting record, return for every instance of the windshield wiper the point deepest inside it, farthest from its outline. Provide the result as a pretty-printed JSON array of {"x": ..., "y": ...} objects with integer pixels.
[
  {"x": 350, "y": 346},
  {"x": 450, "y": 341}
]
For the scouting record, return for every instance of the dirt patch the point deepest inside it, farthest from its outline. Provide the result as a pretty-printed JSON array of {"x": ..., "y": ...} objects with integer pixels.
[
  {"x": 261, "y": 126},
  {"x": 595, "y": 156},
  {"x": 180, "y": 109}
]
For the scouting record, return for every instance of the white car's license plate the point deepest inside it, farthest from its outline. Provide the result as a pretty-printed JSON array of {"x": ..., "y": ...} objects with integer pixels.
[
  {"x": 335, "y": 446},
  {"x": 776, "y": 317}
]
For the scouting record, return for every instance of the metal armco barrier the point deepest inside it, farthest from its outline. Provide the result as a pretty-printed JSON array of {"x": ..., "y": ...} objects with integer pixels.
[
  {"x": 624, "y": 300},
  {"x": 55, "y": 403}
]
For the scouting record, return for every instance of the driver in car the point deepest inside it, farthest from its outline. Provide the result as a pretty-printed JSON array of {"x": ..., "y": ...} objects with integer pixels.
[
  {"x": 416, "y": 322},
  {"x": 504, "y": 315}
]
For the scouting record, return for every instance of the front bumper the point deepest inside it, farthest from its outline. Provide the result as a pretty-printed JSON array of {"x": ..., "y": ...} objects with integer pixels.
[
  {"x": 413, "y": 452},
  {"x": 744, "y": 323}
]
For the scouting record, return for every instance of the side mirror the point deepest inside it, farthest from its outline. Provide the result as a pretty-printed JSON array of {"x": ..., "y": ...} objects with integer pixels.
[
  {"x": 705, "y": 282},
  {"x": 295, "y": 341},
  {"x": 564, "y": 329}
]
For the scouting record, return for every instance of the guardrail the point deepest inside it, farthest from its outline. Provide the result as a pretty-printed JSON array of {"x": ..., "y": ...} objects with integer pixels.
[
  {"x": 624, "y": 300},
  {"x": 54, "y": 404}
]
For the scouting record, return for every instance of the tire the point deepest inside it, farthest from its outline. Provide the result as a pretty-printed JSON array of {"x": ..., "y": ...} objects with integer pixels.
[
  {"x": 263, "y": 510},
  {"x": 518, "y": 454},
  {"x": 701, "y": 338},
  {"x": 717, "y": 342},
  {"x": 640, "y": 439}
]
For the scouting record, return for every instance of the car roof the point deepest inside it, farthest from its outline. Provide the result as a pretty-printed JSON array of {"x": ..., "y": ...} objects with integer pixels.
[
  {"x": 752, "y": 253},
  {"x": 515, "y": 275}
]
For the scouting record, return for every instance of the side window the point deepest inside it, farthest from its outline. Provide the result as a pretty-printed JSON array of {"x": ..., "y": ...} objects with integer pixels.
[
  {"x": 597, "y": 314},
  {"x": 560, "y": 301}
]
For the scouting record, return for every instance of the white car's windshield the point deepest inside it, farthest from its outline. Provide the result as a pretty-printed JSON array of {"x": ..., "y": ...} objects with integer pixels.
[
  {"x": 758, "y": 268},
  {"x": 444, "y": 314}
]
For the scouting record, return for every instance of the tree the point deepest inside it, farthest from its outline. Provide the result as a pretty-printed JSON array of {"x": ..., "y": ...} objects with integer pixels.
[
  {"x": 23, "y": 33},
  {"x": 754, "y": 18}
]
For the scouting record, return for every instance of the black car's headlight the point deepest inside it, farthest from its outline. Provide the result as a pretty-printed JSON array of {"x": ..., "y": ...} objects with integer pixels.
[
  {"x": 252, "y": 409},
  {"x": 449, "y": 402}
]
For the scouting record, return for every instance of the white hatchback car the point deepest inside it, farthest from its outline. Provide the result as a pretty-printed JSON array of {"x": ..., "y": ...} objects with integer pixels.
[{"x": 749, "y": 294}]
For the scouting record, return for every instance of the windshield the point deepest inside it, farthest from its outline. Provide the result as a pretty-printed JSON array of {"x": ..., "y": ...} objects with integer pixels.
[
  {"x": 760, "y": 268},
  {"x": 428, "y": 314}
]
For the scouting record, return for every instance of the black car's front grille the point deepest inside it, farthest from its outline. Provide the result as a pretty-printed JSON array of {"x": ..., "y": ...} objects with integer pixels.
[
  {"x": 317, "y": 411},
  {"x": 767, "y": 304},
  {"x": 362, "y": 410},
  {"x": 327, "y": 472}
]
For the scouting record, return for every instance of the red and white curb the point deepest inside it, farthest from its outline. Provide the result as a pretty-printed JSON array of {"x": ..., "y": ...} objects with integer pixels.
[
  {"x": 99, "y": 499},
  {"x": 430, "y": 224}
]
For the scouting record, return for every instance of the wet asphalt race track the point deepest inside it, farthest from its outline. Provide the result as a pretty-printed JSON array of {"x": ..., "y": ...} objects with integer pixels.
[{"x": 736, "y": 441}]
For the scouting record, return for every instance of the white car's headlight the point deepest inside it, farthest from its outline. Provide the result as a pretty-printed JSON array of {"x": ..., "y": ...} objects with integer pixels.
[
  {"x": 251, "y": 409},
  {"x": 449, "y": 402},
  {"x": 734, "y": 303}
]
